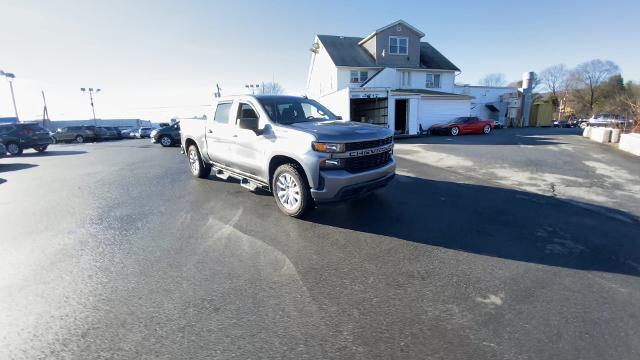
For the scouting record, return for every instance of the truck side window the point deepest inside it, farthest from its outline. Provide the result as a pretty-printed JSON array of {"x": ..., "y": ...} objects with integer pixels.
[
  {"x": 246, "y": 111},
  {"x": 222, "y": 113}
]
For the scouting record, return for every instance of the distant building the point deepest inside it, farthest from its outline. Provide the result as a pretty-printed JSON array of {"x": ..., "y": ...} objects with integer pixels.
[
  {"x": 390, "y": 77},
  {"x": 492, "y": 102},
  {"x": 101, "y": 122}
]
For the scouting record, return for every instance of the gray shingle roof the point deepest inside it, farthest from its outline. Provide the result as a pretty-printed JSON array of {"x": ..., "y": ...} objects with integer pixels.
[{"x": 345, "y": 51}]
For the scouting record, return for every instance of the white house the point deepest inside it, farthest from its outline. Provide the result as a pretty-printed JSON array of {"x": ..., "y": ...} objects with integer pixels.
[{"x": 389, "y": 77}]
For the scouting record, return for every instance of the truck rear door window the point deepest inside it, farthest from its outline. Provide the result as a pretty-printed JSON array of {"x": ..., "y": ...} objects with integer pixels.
[{"x": 222, "y": 113}]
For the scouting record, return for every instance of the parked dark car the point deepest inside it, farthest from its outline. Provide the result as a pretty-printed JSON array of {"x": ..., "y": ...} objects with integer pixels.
[
  {"x": 78, "y": 134},
  {"x": 18, "y": 137},
  {"x": 463, "y": 125},
  {"x": 116, "y": 130},
  {"x": 105, "y": 133},
  {"x": 167, "y": 136},
  {"x": 126, "y": 132}
]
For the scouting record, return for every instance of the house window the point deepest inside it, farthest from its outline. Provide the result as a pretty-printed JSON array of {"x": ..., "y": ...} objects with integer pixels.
[
  {"x": 433, "y": 81},
  {"x": 405, "y": 79},
  {"x": 359, "y": 76},
  {"x": 398, "y": 45}
]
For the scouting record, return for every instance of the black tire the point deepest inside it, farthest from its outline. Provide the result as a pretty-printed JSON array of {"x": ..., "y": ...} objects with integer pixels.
[
  {"x": 486, "y": 129},
  {"x": 79, "y": 139},
  {"x": 305, "y": 201},
  {"x": 14, "y": 149},
  {"x": 41, "y": 149},
  {"x": 198, "y": 167},
  {"x": 455, "y": 131},
  {"x": 166, "y": 140}
]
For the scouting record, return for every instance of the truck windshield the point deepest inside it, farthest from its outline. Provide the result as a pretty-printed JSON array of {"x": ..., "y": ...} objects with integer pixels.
[{"x": 289, "y": 110}]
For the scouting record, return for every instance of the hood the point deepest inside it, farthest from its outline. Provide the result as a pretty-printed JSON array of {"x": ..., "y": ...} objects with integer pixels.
[{"x": 343, "y": 131}]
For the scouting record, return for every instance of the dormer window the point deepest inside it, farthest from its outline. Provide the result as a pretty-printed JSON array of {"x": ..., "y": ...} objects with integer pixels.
[
  {"x": 359, "y": 76},
  {"x": 398, "y": 45}
]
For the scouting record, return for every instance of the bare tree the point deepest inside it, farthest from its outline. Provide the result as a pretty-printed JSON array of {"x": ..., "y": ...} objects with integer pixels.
[
  {"x": 272, "y": 88},
  {"x": 493, "y": 79},
  {"x": 591, "y": 75},
  {"x": 554, "y": 78}
]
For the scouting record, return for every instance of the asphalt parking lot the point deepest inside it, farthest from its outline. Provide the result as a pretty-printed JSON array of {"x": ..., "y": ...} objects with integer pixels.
[{"x": 523, "y": 244}]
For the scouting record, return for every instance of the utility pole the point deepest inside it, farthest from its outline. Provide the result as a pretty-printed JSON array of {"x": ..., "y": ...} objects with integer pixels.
[
  {"x": 93, "y": 110},
  {"x": 10, "y": 77},
  {"x": 217, "y": 93},
  {"x": 45, "y": 113}
]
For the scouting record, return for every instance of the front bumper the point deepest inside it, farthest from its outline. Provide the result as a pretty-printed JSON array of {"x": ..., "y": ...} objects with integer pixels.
[{"x": 340, "y": 185}]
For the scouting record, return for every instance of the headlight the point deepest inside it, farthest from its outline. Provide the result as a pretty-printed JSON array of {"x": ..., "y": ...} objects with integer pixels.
[
  {"x": 331, "y": 163},
  {"x": 327, "y": 147}
]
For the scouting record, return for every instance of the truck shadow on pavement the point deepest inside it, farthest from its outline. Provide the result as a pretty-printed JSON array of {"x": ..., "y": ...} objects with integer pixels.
[
  {"x": 497, "y": 222},
  {"x": 15, "y": 167}
]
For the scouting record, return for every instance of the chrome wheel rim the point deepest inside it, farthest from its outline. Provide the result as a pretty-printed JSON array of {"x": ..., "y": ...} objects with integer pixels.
[
  {"x": 454, "y": 131},
  {"x": 194, "y": 162},
  {"x": 288, "y": 191},
  {"x": 487, "y": 128},
  {"x": 165, "y": 141},
  {"x": 80, "y": 139},
  {"x": 13, "y": 149}
]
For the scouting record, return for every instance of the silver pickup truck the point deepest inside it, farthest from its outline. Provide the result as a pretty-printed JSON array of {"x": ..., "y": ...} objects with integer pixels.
[{"x": 292, "y": 146}]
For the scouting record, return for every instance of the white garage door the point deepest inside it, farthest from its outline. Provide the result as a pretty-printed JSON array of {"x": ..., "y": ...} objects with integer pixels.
[{"x": 433, "y": 111}]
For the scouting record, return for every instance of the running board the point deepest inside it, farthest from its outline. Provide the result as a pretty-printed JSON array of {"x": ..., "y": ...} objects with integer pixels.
[
  {"x": 245, "y": 182},
  {"x": 221, "y": 174},
  {"x": 248, "y": 184}
]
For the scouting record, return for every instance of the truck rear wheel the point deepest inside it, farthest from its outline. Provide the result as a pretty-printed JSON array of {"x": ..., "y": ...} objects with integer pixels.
[
  {"x": 197, "y": 166},
  {"x": 291, "y": 190}
]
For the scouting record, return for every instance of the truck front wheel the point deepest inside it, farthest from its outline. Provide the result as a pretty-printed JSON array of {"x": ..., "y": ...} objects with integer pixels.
[
  {"x": 197, "y": 166},
  {"x": 291, "y": 191}
]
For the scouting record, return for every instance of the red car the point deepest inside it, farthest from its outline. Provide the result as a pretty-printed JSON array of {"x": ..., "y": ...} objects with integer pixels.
[{"x": 463, "y": 125}]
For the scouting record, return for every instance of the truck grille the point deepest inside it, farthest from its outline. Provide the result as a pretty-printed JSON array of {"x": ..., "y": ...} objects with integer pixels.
[
  {"x": 368, "y": 144},
  {"x": 362, "y": 163}
]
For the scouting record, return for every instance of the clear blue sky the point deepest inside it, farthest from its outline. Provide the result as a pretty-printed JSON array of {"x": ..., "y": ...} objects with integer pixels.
[{"x": 157, "y": 59}]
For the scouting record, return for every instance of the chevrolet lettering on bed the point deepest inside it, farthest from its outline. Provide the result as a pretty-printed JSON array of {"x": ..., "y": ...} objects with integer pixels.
[{"x": 292, "y": 146}]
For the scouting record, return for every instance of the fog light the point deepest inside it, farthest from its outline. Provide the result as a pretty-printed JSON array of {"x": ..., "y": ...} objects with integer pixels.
[{"x": 331, "y": 163}]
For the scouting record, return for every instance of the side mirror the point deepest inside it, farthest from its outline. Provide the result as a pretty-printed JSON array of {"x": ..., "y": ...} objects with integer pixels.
[
  {"x": 338, "y": 117},
  {"x": 249, "y": 124}
]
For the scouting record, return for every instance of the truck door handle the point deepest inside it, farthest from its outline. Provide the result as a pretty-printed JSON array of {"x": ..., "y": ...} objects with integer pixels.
[
  {"x": 209, "y": 131},
  {"x": 235, "y": 135}
]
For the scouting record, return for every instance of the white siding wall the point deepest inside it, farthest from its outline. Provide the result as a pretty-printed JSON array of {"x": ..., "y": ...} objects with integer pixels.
[
  {"x": 322, "y": 78},
  {"x": 419, "y": 77},
  {"x": 387, "y": 78},
  {"x": 338, "y": 102},
  {"x": 433, "y": 111}
]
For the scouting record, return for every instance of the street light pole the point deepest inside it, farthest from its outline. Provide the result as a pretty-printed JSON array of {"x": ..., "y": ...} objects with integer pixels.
[
  {"x": 93, "y": 109},
  {"x": 10, "y": 77},
  {"x": 252, "y": 87}
]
